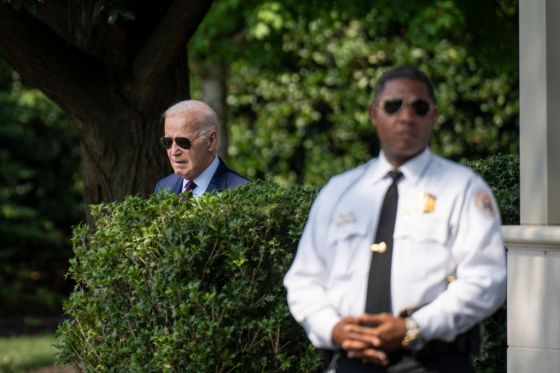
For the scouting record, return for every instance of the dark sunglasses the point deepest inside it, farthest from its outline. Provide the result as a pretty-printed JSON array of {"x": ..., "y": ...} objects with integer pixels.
[
  {"x": 182, "y": 142},
  {"x": 393, "y": 105}
]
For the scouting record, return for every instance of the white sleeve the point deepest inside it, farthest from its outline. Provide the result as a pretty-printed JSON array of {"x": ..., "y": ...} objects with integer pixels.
[
  {"x": 479, "y": 253},
  {"x": 305, "y": 281}
]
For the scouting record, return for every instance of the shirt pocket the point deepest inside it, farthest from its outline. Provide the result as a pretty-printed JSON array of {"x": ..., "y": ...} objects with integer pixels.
[
  {"x": 349, "y": 247},
  {"x": 420, "y": 248}
]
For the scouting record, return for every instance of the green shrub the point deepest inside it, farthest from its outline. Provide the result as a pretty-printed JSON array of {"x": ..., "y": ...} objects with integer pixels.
[
  {"x": 188, "y": 287},
  {"x": 502, "y": 174},
  {"x": 197, "y": 286}
]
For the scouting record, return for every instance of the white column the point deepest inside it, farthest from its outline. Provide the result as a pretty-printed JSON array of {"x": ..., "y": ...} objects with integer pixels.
[
  {"x": 534, "y": 246},
  {"x": 539, "y": 62},
  {"x": 533, "y": 304}
]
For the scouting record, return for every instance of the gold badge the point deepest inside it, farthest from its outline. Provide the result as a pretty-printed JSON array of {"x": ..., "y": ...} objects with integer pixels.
[
  {"x": 379, "y": 247},
  {"x": 484, "y": 204},
  {"x": 426, "y": 203}
]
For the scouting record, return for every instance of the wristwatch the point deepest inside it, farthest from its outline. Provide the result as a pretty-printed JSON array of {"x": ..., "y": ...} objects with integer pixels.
[{"x": 413, "y": 337}]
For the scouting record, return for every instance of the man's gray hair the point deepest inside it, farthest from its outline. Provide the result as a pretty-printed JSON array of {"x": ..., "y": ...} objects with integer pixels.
[{"x": 206, "y": 118}]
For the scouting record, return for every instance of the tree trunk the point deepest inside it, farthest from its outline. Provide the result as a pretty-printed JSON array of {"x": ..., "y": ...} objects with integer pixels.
[
  {"x": 122, "y": 158},
  {"x": 121, "y": 152},
  {"x": 214, "y": 93},
  {"x": 113, "y": 80}
]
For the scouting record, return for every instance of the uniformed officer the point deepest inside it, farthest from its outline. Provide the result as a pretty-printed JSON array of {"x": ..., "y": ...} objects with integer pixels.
[{"x": 402, "y": 302}]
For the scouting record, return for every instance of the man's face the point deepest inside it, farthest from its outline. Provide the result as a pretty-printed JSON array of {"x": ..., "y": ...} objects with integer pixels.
[
  {"x": 189, "y": 163},
  {"x": 405, "y": 133}
]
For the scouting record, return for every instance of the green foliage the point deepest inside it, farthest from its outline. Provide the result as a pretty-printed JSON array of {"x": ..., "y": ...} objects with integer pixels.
[
  {"x": 39, "y": 199},
  {"x": 493, "y": 358},
  {"x": 302, "y": 75},
  {"x": 501, "y": 172},
  {"x": 197, "y": 286},
  {"x": 188, "y": 287}
]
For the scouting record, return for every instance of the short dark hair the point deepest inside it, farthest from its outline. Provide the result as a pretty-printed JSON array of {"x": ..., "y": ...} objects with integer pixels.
[{"x": 404, "y": 71}]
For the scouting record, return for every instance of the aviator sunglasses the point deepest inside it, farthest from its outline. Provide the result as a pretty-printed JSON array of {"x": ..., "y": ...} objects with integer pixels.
[
  {"x": 394, "y": 105},
  {"x": 182, "y": 142}
]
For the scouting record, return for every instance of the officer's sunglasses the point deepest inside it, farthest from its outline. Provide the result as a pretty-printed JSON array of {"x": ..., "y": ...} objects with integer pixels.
[
  {"x": 394, "y": 105},
  {"x": 182, "y": 142}
]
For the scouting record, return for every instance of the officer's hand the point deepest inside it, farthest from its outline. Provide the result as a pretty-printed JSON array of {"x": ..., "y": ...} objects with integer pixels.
[
  {"x": 369, "y": 355},
  {"x": 385, "y": 330},
  {"x": 358, "y": 341},
  {"x": 339, "y": 333}
]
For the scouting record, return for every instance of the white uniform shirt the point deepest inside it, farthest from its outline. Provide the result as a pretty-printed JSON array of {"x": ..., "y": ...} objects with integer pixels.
[{"x": 447, "y": 225}]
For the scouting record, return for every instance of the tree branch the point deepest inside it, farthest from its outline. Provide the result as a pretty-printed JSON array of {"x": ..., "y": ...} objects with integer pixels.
[
  {"x": 165, "y": 44},
  {"x": 46, "y": 61}
]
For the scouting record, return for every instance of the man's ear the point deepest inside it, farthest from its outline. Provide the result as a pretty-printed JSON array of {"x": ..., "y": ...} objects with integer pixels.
[
  {"x": 372, "y": 110},
  {"x": 435, "y": 115},
  {"x": 212, "y": 141}
]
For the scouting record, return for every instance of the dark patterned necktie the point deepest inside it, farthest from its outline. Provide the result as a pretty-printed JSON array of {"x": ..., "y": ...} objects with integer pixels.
[
  {"x": 189, "y": 186},
  {"x": 378, "y": 297}
]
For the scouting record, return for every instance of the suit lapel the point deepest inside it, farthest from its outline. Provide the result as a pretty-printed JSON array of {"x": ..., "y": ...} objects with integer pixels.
[
  {"x": 178, "y": 185},
  {"x": 219, "y": 180}
]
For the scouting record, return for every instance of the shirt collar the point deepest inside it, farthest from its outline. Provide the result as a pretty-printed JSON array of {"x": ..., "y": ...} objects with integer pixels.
[
  {"x": 411, "y": 169},
  {"x": 203, "y": 180},
  {"x": 415, "y": 166}
]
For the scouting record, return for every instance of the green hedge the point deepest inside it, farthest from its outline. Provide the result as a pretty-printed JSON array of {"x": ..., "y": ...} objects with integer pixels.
[
  {"x": 196, "y": 286},
  {"x": 502, "y": 174},
  {"x": 188, "y": 287}
]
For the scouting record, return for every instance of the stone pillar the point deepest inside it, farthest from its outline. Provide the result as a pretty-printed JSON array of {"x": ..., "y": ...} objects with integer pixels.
[
  {"x": 534, "y": 246},
  {"x": 539, "y": 62},
  {"x": 533, "y": 299}
]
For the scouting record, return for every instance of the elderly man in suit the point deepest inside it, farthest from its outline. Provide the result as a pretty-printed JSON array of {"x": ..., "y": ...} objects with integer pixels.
[{"x": 191, "y": 138}]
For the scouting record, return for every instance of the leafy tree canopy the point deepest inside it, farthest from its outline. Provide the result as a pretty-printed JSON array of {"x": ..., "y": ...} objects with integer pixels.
[{"x": 302, "y": 75}]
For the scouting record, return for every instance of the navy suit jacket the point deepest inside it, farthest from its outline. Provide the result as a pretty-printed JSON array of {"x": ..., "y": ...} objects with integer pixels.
[{"x": 224, "y": 178}]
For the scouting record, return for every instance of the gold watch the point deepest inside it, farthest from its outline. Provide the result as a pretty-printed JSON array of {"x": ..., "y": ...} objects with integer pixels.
[{"x": 413, "y": 337}]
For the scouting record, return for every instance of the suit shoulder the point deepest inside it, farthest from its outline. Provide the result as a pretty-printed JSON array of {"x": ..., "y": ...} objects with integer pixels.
[
  {"x": 234, "y": 179},
  {"x": 167, "y": 182}
]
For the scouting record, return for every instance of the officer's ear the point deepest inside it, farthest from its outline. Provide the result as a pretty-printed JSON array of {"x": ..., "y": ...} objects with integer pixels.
[
  {"x": 435, "y": 114},
  {"x": 373, "y": 113}
]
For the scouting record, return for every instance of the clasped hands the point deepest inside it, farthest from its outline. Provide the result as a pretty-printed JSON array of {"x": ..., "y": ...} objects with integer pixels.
[{"x": 370, "y": 337}]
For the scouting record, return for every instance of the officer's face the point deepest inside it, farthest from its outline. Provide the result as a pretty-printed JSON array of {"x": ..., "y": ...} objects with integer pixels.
[{"x": 404, "y": 131}]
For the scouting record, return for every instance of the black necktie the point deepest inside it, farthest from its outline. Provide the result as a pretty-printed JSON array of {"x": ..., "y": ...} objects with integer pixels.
[{"x": 378, "y": 297}]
